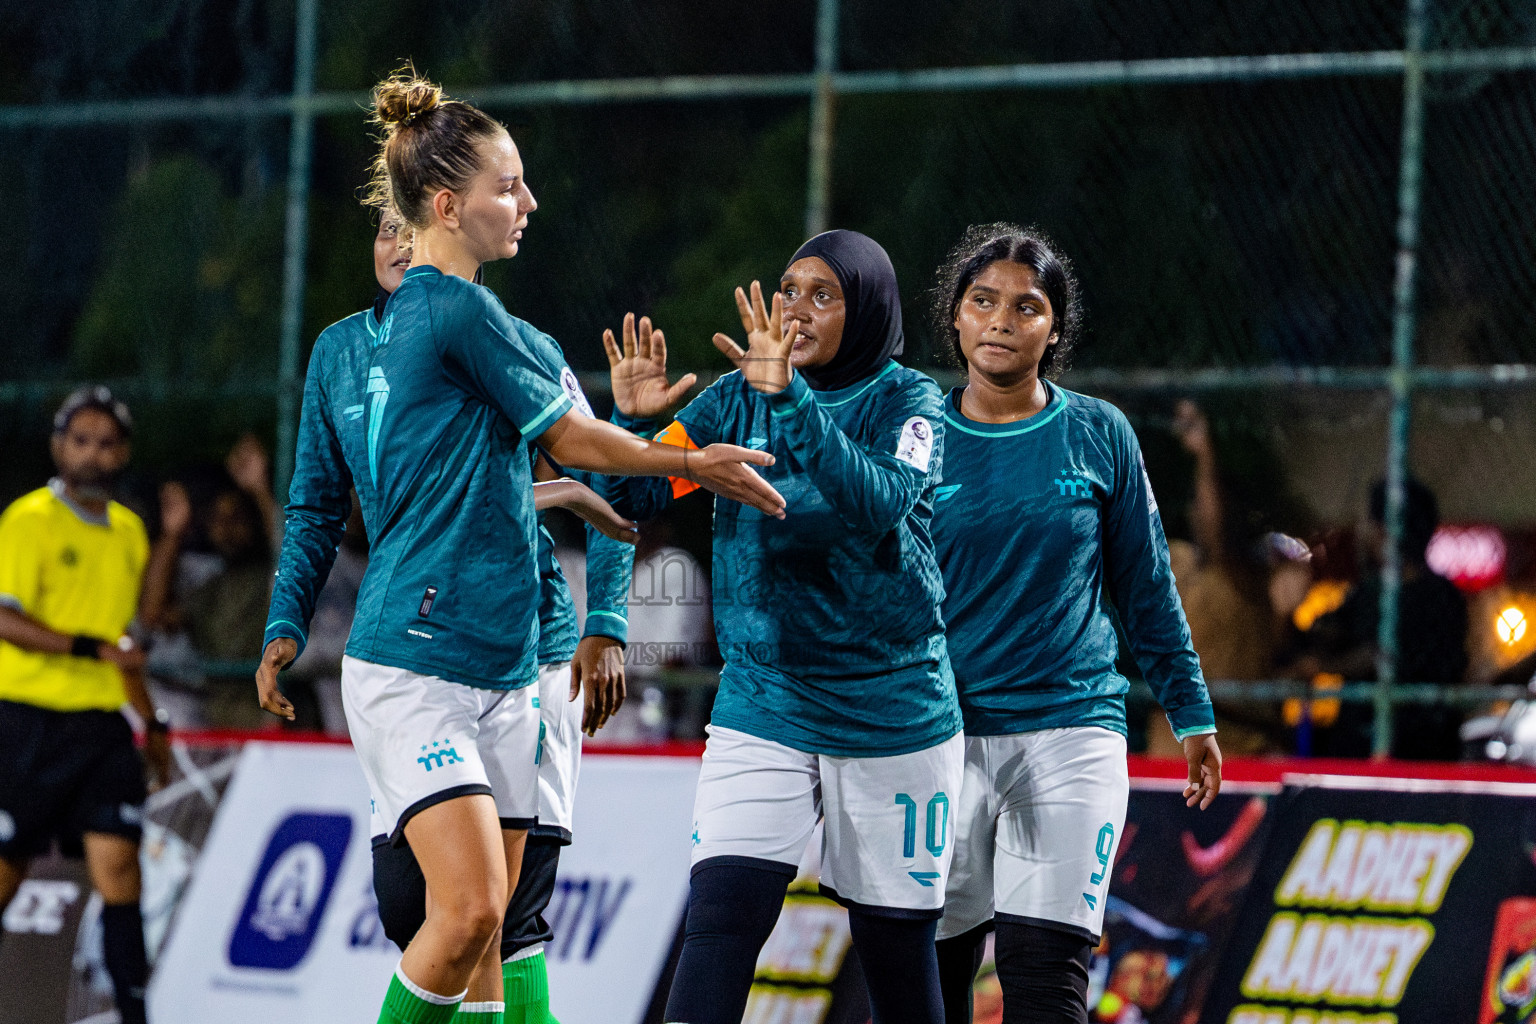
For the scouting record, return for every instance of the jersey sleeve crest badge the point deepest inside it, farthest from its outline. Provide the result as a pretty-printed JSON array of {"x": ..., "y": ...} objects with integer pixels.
[{"x": 916, "y": 445}]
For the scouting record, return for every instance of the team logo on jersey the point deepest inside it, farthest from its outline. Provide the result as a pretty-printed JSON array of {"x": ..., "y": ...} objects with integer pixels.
[
  {"x": 573, "y": 391},
  {"x": 287, "y": 899},
  {"x": 916, "y": 445},
  {"x": 1073, "y": 486},
  {"x": 70, "y": 557},
  {"x": 378, "y": 392},
  {"x": 440, "y": 754}
]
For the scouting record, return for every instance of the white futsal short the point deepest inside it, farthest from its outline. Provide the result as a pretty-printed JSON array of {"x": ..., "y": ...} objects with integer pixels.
[
  {"x": 559, "y": 754},
  {"x": 423, "y": 740},
  {"x": 890, "y": 821},
  {"x": 1039, "y": 821}
]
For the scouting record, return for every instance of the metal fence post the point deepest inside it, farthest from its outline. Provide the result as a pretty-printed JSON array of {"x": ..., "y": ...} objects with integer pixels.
[
  {"x": 295, "y": 244},
  {"x": 1410, "y": 171},
  {"x": 818, "y": 179}
]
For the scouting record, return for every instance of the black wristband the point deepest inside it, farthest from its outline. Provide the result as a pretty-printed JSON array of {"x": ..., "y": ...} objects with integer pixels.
[{"x": 86, "y": 647}]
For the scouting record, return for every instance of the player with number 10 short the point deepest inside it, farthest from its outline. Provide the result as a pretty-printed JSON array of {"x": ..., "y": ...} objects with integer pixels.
[{"x": 836, "y": 699}]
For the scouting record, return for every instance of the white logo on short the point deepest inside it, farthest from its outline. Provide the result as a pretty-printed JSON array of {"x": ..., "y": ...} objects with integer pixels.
[
  {"x": 292, "y": 889},
  {"x": 39, "y": 905},
  {"x": 130, "y": 815},
  {"x": 916, "y": 445},
  {"x": 573, "y": 391},
  {"x": 7, "y": 827}
]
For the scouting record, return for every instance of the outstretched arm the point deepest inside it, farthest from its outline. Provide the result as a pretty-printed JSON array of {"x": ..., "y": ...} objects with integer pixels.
[
  {"x": 581, "y": 442},
  {"x": 578, "y": 498},
  {"x": 871, "y": 491}
]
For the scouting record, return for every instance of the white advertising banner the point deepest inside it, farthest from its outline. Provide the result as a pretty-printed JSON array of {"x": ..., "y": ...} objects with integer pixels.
[
  {"x": 622, "y": 888},
  {"x": 280, "y": 921}
]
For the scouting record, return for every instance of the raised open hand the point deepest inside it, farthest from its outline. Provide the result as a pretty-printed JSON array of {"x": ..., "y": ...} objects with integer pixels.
[
  {"x": 639, "y": 370},
  {"x": 765, "y": 363}
]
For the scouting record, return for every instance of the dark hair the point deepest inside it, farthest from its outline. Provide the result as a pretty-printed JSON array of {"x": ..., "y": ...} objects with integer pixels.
[
  {"x": 428, "y": 143},
  {"x": 93, "y": 396},
  {"x": 1421, "y": 516},
  {"x": 985, "y": 244}
]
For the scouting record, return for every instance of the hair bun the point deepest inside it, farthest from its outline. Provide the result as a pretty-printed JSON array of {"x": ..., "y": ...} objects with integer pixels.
[{"x": 403, "y": 97}]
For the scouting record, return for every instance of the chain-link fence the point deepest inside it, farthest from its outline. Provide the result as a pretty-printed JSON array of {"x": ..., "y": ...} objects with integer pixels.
[{"x": 1316, "y": 218}]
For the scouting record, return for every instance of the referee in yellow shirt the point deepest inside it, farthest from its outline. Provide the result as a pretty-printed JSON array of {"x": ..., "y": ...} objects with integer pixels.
[{"x": 71, "y": 561}]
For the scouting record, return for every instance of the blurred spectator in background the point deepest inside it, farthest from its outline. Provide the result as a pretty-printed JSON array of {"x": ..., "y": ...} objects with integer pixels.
[
  {"x": 1230, "y": 579},
  {"x": 670, "y": 627},
  {"x": 71, "y": 562},
  {"x": 221, "y": 614},
  {"x": 314, "y": 679},
  {"x": 1431, "y": 639}
]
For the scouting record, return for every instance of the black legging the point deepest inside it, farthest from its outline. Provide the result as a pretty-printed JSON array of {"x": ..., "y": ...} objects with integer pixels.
[
  {"x": 733, "y": 904},
  {"x": 402, "y": 893},
  {"x": 1043, "y": 972}
]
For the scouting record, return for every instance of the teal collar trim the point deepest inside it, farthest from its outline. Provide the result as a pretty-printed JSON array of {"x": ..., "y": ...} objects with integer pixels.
[
  {"x": 370, "y": 323},
  {"x": 955, "y": 418},
  {"x": 852, "y": 391},
  {"x": 419, "y": 272}
]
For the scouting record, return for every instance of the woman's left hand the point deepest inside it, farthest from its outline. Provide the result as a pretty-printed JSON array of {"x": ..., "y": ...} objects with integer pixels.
[
  {"x": 765, "y": 363},
  {"x": 588, "y": 504},
  {"x": 1204, "y": 758}
]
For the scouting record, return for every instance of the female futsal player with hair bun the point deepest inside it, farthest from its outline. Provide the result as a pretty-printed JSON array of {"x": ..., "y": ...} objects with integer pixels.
[
  {"x": 1045, "y": 511},
  {"x": 836, "y": 701},
  {"x": 431, "y": 422}
]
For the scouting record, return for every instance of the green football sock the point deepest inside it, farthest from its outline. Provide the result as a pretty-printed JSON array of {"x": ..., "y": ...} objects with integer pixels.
[
  {"x": 480, "y": 1013},
  {"x": 409, "y": 1003},
  {"x": 525, "y": 987}
]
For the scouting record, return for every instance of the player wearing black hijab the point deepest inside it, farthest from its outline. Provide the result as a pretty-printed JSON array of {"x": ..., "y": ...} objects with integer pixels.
[{"x": 836, "y": 701}]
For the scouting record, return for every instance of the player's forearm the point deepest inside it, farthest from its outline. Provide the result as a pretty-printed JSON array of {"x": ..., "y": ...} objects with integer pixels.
[
  {"x": 303, "y": 565},
  {"x": 610, "y": 570},
  {"x": 581, "y": 442},
  {"x": 556, "y": 494},
  {"x": 30, "y": 635},
  {"x": 867, "y": 493}
]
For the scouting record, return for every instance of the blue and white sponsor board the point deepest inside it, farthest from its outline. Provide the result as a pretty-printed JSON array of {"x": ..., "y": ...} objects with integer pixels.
[{"x": 280, "y": 921}]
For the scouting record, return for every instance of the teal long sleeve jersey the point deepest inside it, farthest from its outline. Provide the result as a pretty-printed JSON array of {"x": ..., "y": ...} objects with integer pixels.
[
  {"x": 429, "y": 420},
  {"x": 1036, "y": 523},
  {"x": 828, "y": 620}
]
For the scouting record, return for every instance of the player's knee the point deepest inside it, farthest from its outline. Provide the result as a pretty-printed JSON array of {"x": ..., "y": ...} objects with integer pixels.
[
  {"x": 733, "y": 899},
  {"x": 1044, "y": 970},
  {"x": 471, "y": 919}
]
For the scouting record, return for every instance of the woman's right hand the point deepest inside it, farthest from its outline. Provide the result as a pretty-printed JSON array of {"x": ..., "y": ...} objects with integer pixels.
[
  {"x": 727, "y": 470},
  {"x": 639, "y": 371}
]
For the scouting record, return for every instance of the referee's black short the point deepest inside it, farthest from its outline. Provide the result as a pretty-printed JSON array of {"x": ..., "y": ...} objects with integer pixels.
[{"x": 65, "y": 773}]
